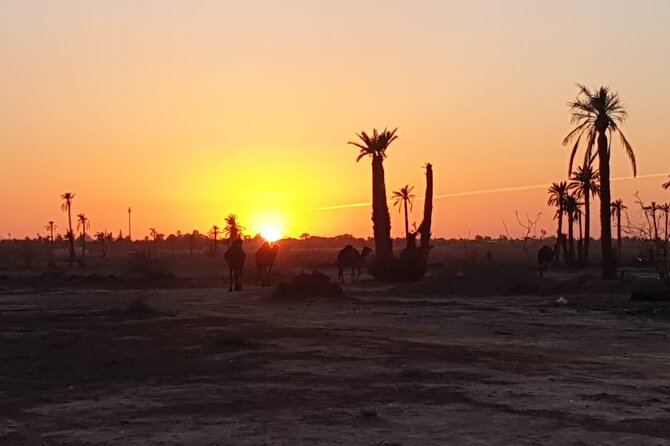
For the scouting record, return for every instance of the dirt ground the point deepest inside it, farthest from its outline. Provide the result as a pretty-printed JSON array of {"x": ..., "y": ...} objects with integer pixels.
[{"x": 381, "y": 367}]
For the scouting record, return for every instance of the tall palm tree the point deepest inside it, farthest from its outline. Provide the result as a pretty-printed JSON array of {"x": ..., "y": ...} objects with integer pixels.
[
  {"x": 402, "y": 198},
  {"x": 584, "y": 183},
  {"x": 558, "y": 192},
  {"x": 596, "y": 115},
  {"x": 617, "y": 208},
  {"x": 233, "y": 228},
  {"x": 83, "y": 223},
  {"x": 375, "y": 146},
  {"x": 572, "y": 211},
  {"x": 666, "y": 185},
  {"x": 66, "y": 206},
  {"x": 214, "y": 232}
]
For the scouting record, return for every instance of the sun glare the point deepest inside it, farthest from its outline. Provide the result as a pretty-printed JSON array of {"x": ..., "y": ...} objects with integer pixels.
[{"x": 271, "y": 232}]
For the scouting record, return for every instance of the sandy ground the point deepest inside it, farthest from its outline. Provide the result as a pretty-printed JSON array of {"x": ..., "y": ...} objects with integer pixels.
[{"x": 380, "y": 368}]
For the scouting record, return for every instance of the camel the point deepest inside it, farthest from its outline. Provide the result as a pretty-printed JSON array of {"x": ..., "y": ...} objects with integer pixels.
[
  {"x": 545, "y": 258},
  {"x": 234, "y": 256},
  {"x": 265, "y": 259},
  {"x": 349, "y": 257}
]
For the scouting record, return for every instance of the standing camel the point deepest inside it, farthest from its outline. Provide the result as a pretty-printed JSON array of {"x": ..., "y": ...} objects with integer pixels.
[
  {"x": 349, "y": 257},
  {"x": 234, "y": 256},
  {"x": 265, "y": 259}
]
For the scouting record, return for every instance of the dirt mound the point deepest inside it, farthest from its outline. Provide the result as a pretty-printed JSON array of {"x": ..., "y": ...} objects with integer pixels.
[{"x": 306, "y": 286}]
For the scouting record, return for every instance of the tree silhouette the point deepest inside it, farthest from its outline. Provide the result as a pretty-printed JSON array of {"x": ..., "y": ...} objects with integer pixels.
[
  {"x": 572, "y": 211},
  {"x": 597, "y": 114},
  {"x": 666, "y": 185},
  {"x": 50, "y": 226},
  {"x": 558, "y": 192},
  {"x": 66, "y": 206},
  {"x": 617, "y": 208},
  {"x": 101, "y": 237},
  {"x": 665, "y": 208},
  {"x": 233, "y": 228},
  {"x": 402, "y": 198},
  {"x": 83, "y": 223},
  {"x": 584, "y": 183},
  {"x": 156, "y": 236},
  {"x": 214, "y": 232},
  {"x": 375, "y": 146},
  {"x": 651, "y": 210}
]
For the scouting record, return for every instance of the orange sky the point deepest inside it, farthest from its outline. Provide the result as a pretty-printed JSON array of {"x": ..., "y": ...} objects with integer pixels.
[{"x": 188, "y": 111}]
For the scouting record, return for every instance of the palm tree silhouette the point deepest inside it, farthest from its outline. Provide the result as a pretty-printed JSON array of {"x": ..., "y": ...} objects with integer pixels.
[
  {"x": 233, "y": 228},
  {"x": 666, "y": 185},
  {"x": 50, "y": 226},
  {"x": 617, "y": 207},
  {"x": 84, "y": 224},
  {"x": 572, "y": 211},
  {"x": 584, "y": 182},
  {"x": 596, "y": 114},
  {"x": 402, "y": 198},
  {"x": 375, "y": 146},
  {"x": 66, "y": 206},
  {"x": 651, "y": 210},
  {"x": 156, "y": 236},
  {"x": 558, "y": 192},
  {"x": 214, "y": 232},
  {"x": 101, "y": 236}
]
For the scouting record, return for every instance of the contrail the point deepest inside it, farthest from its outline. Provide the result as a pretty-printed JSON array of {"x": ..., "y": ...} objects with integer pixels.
[{"x": 478, "y": 192}]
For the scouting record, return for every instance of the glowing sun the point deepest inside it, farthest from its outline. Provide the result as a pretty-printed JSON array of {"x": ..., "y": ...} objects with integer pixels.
[{"x": 271, "y": 232}]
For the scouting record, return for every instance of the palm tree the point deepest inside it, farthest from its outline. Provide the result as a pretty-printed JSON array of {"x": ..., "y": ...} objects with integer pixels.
[
  {"x": 375, "y": 146},
  {"x": 402, "y": 198},
  {"x": 156, "y": 236},
  {"x": 617, "y": 207},
  {"x": 666, "y": 185},
  {"x": 558, "y": 192},
  {"x": 84, "y": 224},
  {"x": 572, "y": 211},
  {"x": 129, "y": 234},
  {"x": 651, "y": 210},
  {"x": 597, "y": 114},
  {"x": 50, "y": 226},
  {"x": 584, "y": 182},
  {"x": 214, "y": 232},
  {"x": 101, "y": 237},
  {"x": 233, "y": 228},
  {"x": 66, "y": 206},
  {"x": 191, "y": 241}
]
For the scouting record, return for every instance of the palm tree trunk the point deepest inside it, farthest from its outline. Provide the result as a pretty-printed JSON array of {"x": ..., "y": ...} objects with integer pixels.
[
  {"x": 69, "y": 221},
  {"x": 419, "y": 270},
  {"x": 608, "y": 261},
  {"x": 381, "y": 221},
  {"x": 83, "y": 245},
  {"x": 571, "y": 238},
  {"x": 406, "y": 225},
  {"x": 587, "y": 226},
  {"x": 618, "y": 231}
]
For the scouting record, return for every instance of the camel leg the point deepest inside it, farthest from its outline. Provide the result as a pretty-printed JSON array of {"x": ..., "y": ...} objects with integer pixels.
[{"x": 340, "y": 274}]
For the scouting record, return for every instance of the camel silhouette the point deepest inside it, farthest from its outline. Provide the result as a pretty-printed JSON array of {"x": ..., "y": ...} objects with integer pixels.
[
  {"x": 349, "y": 257},
  {"x": 545, "y": 258},
  {"x": 265, "y": 259},
  {"x": 234, "y": 256}
]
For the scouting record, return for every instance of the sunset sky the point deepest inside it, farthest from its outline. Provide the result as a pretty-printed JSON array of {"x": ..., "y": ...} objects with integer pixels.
[{"x": 187, "y": 111}]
